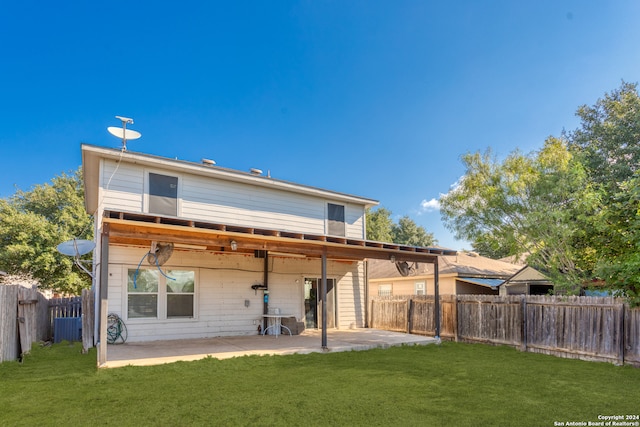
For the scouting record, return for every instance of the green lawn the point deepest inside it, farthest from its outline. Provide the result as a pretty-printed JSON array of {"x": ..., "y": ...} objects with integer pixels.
[{"x": 435, "y": 385}]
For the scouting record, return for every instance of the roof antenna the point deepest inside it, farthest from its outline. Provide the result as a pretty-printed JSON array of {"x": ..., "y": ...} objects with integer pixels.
[{"x": 123, "y": 132}]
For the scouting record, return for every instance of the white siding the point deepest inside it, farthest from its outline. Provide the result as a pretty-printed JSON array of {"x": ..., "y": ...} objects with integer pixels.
[
  {"x": 354, "y": 218},
  {"x": 227, "y": 202},
  {"x": 244, "y": 205},
  {"x": 224, "y": 284},
  {"x": 123, "y": 186},
  {"x": 351, "y": 298}
]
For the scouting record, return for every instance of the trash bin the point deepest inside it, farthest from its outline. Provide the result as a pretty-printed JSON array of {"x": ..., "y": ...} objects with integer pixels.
[{"x": 67, "y": 329}]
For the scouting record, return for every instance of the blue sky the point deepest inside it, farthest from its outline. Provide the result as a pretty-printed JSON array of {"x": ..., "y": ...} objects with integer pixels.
[{"x": 373, "y": 98}]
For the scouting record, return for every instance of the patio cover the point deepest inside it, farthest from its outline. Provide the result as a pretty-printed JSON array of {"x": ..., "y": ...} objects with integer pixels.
[{"x": 140, "y": 229}]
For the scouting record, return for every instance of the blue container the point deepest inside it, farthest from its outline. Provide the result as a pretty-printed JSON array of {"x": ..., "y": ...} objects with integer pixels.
[{"x": 67, "y": 329}]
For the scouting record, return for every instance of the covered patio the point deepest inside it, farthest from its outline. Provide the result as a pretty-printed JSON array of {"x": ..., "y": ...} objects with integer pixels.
[
  {"x": 120, "y": 228},
  {"x": 160, "y": 352}
]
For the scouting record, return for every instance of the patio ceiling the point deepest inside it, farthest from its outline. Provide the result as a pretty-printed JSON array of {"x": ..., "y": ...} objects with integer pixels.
[{"x": 137, "y": 229}]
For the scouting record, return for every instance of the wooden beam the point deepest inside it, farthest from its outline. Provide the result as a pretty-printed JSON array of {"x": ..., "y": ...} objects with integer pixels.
[{"x": 143, "y": 232}]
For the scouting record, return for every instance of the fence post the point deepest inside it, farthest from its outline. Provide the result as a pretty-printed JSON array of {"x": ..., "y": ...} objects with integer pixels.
[
  {"x": 623, "y": 333},
  {"x": 524, "y": 323},
  {"x": 372, "y": 324},
  {"x": 410, "y": 315},
  {"x": 454, "y": 313}
]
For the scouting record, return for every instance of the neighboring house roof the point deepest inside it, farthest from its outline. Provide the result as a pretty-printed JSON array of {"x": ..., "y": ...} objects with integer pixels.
[
  {"x": 17, "y": 279},
  {"x": 527, "y": 274},
  {"x": 520, "y": 260},
  {"x": 463, "y": 264},
  {"x": 92, "y": 154}
]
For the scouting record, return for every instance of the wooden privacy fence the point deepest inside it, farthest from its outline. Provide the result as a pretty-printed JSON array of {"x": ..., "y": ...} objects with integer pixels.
[
  {"x": 26, "y": 316},
  {"x": 414, "y": 314},
  {"x": 591, "y": 328},
  {"x": 23, "y": 314}
]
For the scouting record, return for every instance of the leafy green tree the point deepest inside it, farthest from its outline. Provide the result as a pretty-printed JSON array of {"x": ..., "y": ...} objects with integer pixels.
[
  {"x": 608, "y": 145},
  {"x": 407, "y": 232},
  {"x": 525, "y": 204},
  {"x": 379, "y": 225},
  {"x": 618, "y": 234},
  {"x": 489, "y": 247},
  {"x": 573, "y": 206},
  {"x": 34, "y": 222},
  {"x": 381, "y": 228},
  {"x": 608, "y": 139}
]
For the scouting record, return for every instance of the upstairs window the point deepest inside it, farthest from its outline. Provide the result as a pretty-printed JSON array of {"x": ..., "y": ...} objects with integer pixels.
[
  {"x": 335, "y": 217},
  {"x": 163, "y": 194}
]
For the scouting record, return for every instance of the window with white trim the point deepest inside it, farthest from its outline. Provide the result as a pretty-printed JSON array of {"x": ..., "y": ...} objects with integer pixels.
[
  {"x": 152, "y": 295},
  {"x": 420, "y": 288},
  {"x": 385, "y": 290}
]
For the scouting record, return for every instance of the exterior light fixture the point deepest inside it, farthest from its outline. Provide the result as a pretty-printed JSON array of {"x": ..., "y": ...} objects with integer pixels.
[
  {"x": 234, "y": 245},
  {"x": 392, "y": 258}
]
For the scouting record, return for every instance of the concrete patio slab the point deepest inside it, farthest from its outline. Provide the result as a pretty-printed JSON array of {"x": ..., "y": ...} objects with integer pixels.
[{"x": 310, "y": 341}]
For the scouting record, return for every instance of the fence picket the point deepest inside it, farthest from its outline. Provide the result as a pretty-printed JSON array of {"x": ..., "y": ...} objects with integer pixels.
[
  {"x": 26, "y": 316},
  {"x": 592, "y": 328}
]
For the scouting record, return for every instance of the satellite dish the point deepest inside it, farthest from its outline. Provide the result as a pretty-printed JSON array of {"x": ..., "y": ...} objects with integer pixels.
[
  {"x": 76, "y": 247},
  {"x": 404, "y": 269},
  {"x": 124, "y": 133},
  {"x": 159, "y": 253}
]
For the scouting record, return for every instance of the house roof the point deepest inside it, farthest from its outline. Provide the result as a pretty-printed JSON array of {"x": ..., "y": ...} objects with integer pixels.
[
  {"x": 462, "y": 264},
  {"x": 92, "y": 154}
]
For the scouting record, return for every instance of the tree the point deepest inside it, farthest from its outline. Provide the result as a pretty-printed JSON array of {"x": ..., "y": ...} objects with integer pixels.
[
  {"x": 608, "y": 145},
  {"x": 574, "y": 205},
  {"x": 619, "y": 231},
  {"x": 525, "y": 204},
  {"x": 407, "y": 232},
  {"x": 608, "y": 140},
  {"x": 33, "y": 223},
  {"x": 381, "y": 228},
  {"x": 379, "y": 225}
]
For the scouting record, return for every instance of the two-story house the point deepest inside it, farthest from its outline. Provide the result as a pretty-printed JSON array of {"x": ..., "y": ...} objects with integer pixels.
[{"x": 194, "y": 250}]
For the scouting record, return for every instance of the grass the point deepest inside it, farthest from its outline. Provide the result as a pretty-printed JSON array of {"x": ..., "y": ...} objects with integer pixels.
[{"x": 450, "y": 384}]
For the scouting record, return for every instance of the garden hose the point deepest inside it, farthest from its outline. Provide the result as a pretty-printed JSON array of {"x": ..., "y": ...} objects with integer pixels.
[{"x": 116, "y": 329}]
